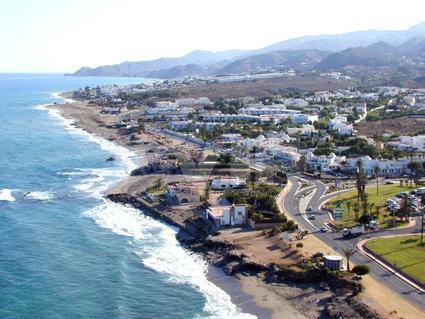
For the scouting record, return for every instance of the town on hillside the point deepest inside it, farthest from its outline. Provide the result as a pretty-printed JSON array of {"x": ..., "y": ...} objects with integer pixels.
[{"x": 312, "y": 178}]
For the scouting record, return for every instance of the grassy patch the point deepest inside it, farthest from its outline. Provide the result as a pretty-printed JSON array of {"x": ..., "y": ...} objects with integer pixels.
[
  {"x": 405, "y": 253},
  {"x": 385, "y": 192}
]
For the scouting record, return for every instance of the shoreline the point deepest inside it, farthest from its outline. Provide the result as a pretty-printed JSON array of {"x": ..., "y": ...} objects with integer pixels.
[
  {"x": 243, "y": 292},
  {"x": 274, "y": 299}
]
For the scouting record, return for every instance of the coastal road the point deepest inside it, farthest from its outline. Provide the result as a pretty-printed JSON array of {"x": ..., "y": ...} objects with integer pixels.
[{"x": 295, "y": 202}]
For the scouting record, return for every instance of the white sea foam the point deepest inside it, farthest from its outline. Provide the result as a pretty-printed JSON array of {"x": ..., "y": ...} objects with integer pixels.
[
  {"x": 158, "y": 249},
  {"x": 57, "y": 95},
  {"x": 98, "y": 179},
  {"x": 6, "y": 195},
  {"x": 43, "y": 196}
]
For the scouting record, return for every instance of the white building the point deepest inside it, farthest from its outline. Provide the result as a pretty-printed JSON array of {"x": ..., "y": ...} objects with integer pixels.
[
  {"x": 179, "y": 125},
  {"x": 203, "y": 101},
  {"x": 324, "y": 163},
  {"x": 306, "y": 130},
  {"x": 230, "y": 215},
  {"x": 288, "y": 154},
  {"x": 227, "y": 183},
  {"x": 295, "y": 102},
  {"x": 303, "y": 118},
  {"x": 410, "y": 100},
  {"x": 340, "y": 126},
  {"x": 412, "y": 143},
  {"x": 392, "y": 168}
]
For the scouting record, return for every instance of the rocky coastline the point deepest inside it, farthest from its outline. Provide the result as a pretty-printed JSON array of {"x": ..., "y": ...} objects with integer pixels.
[{"x": 343, "y": 302}]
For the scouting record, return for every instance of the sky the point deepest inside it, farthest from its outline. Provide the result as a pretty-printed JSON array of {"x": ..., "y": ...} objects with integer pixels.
[{"x": 64, "y": 35}]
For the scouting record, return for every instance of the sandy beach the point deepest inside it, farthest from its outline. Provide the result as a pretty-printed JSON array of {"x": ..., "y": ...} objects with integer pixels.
[{"x": 246, "y": 292}]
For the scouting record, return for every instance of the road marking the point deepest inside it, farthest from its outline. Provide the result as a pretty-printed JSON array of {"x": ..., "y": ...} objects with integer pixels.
[{"x": 304, "y": 202}]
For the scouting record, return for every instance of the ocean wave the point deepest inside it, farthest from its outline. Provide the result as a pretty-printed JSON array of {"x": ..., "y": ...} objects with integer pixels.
[
  {"x": 158, "y": 249},
  {"x": 124, "y": 156},
  {"x": 6, "y": 195},
  {"x": 57, "y": 95},
  {"x": 41, "y": 107},
  {"x": 153, "y": 242},
  {"x": 75, "y": 172},
  {"x": 99, "y": 180},
  {"x": 42, "y": 196}
]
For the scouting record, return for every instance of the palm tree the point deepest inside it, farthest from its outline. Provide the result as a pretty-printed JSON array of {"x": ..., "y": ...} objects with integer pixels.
[
  {"x": 348, "y": 204},
  {"x": 422, "y": 220},
  {"x": 158, "y": 183},
  {"x": 348, "y": 253},
  {"x": 365, "y": 204},
  {"x": 361, "y": 181},
  {"x": 207, "y": 191},
  {"x": 356, "y": 209},
  {"x": 376, "y": 171},
  {"x": 371, "y": 206},
  {"x": 377, "y": 212}
]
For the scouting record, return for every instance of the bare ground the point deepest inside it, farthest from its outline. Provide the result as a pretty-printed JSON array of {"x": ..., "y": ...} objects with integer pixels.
[{"x": 402, "y": 126}]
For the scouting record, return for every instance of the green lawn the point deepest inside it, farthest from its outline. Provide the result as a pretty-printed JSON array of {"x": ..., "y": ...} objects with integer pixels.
[
  {"x": 403, "y": 252},
  {"x": 385, "y": 192}
]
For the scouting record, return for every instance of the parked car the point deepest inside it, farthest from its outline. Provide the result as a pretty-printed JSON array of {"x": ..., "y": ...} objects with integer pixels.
[
  {"x": 390, "y": 202},
  {"x": 402, "y": 194},
  {"x": 420, "y": 191}
]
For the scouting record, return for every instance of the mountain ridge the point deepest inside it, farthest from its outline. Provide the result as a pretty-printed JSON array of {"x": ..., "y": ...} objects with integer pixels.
[{"x": 225, "y": 62}]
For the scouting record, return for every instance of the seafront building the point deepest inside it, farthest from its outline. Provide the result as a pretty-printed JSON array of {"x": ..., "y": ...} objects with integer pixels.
[{"x": 227, "y": 215}]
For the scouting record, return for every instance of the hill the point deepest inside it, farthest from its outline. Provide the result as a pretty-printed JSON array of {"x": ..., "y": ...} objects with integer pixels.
[
  {"x": 366, "y": 48},
  {"x": 275, "y": 59},
  {"x": 376, "y": 55}
]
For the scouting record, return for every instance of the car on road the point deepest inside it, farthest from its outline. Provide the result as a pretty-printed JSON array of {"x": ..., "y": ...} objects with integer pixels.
[
  {"x": 309, "y": 209},
  {"x": 323, "y": 229},
  {"x": 312, "y": 217}
]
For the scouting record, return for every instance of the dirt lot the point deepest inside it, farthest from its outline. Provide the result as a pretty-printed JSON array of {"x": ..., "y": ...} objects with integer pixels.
[
  {"x": 261, "y": 88},
  {"x": 402, "y": 125},
  {"x": 261, "y": 248}
]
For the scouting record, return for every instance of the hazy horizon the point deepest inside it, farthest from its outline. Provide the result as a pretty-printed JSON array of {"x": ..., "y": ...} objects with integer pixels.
[{"x": 52, "y": 37}]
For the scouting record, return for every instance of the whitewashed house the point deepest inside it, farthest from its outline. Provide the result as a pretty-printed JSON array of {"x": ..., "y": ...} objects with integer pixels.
[
  {"x": 227, "y": 183},
  {"x": 324, "y": 163},
  {"x": 230, "y": 215}
]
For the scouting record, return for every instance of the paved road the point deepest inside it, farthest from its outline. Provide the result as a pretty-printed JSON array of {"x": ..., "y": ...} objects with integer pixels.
[{"x": 295, "y": 201}]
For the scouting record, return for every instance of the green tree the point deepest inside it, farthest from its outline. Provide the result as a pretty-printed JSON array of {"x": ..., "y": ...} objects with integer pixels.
[
  {"x": 158, "y": 183},
  {"x": 404, "y": 211},
  {"x": 361, "y": 270},
  {"x": 302, "y": 163}
]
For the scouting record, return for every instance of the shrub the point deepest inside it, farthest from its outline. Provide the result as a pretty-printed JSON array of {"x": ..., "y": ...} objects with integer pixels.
[
  {"x": 365, "y": 219},
  {"x": 300, "y": 245},
  {"x": 361, "y": 270}
]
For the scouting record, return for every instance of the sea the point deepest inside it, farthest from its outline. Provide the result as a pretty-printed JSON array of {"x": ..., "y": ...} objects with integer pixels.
[{"x": 65, "y": 251}]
